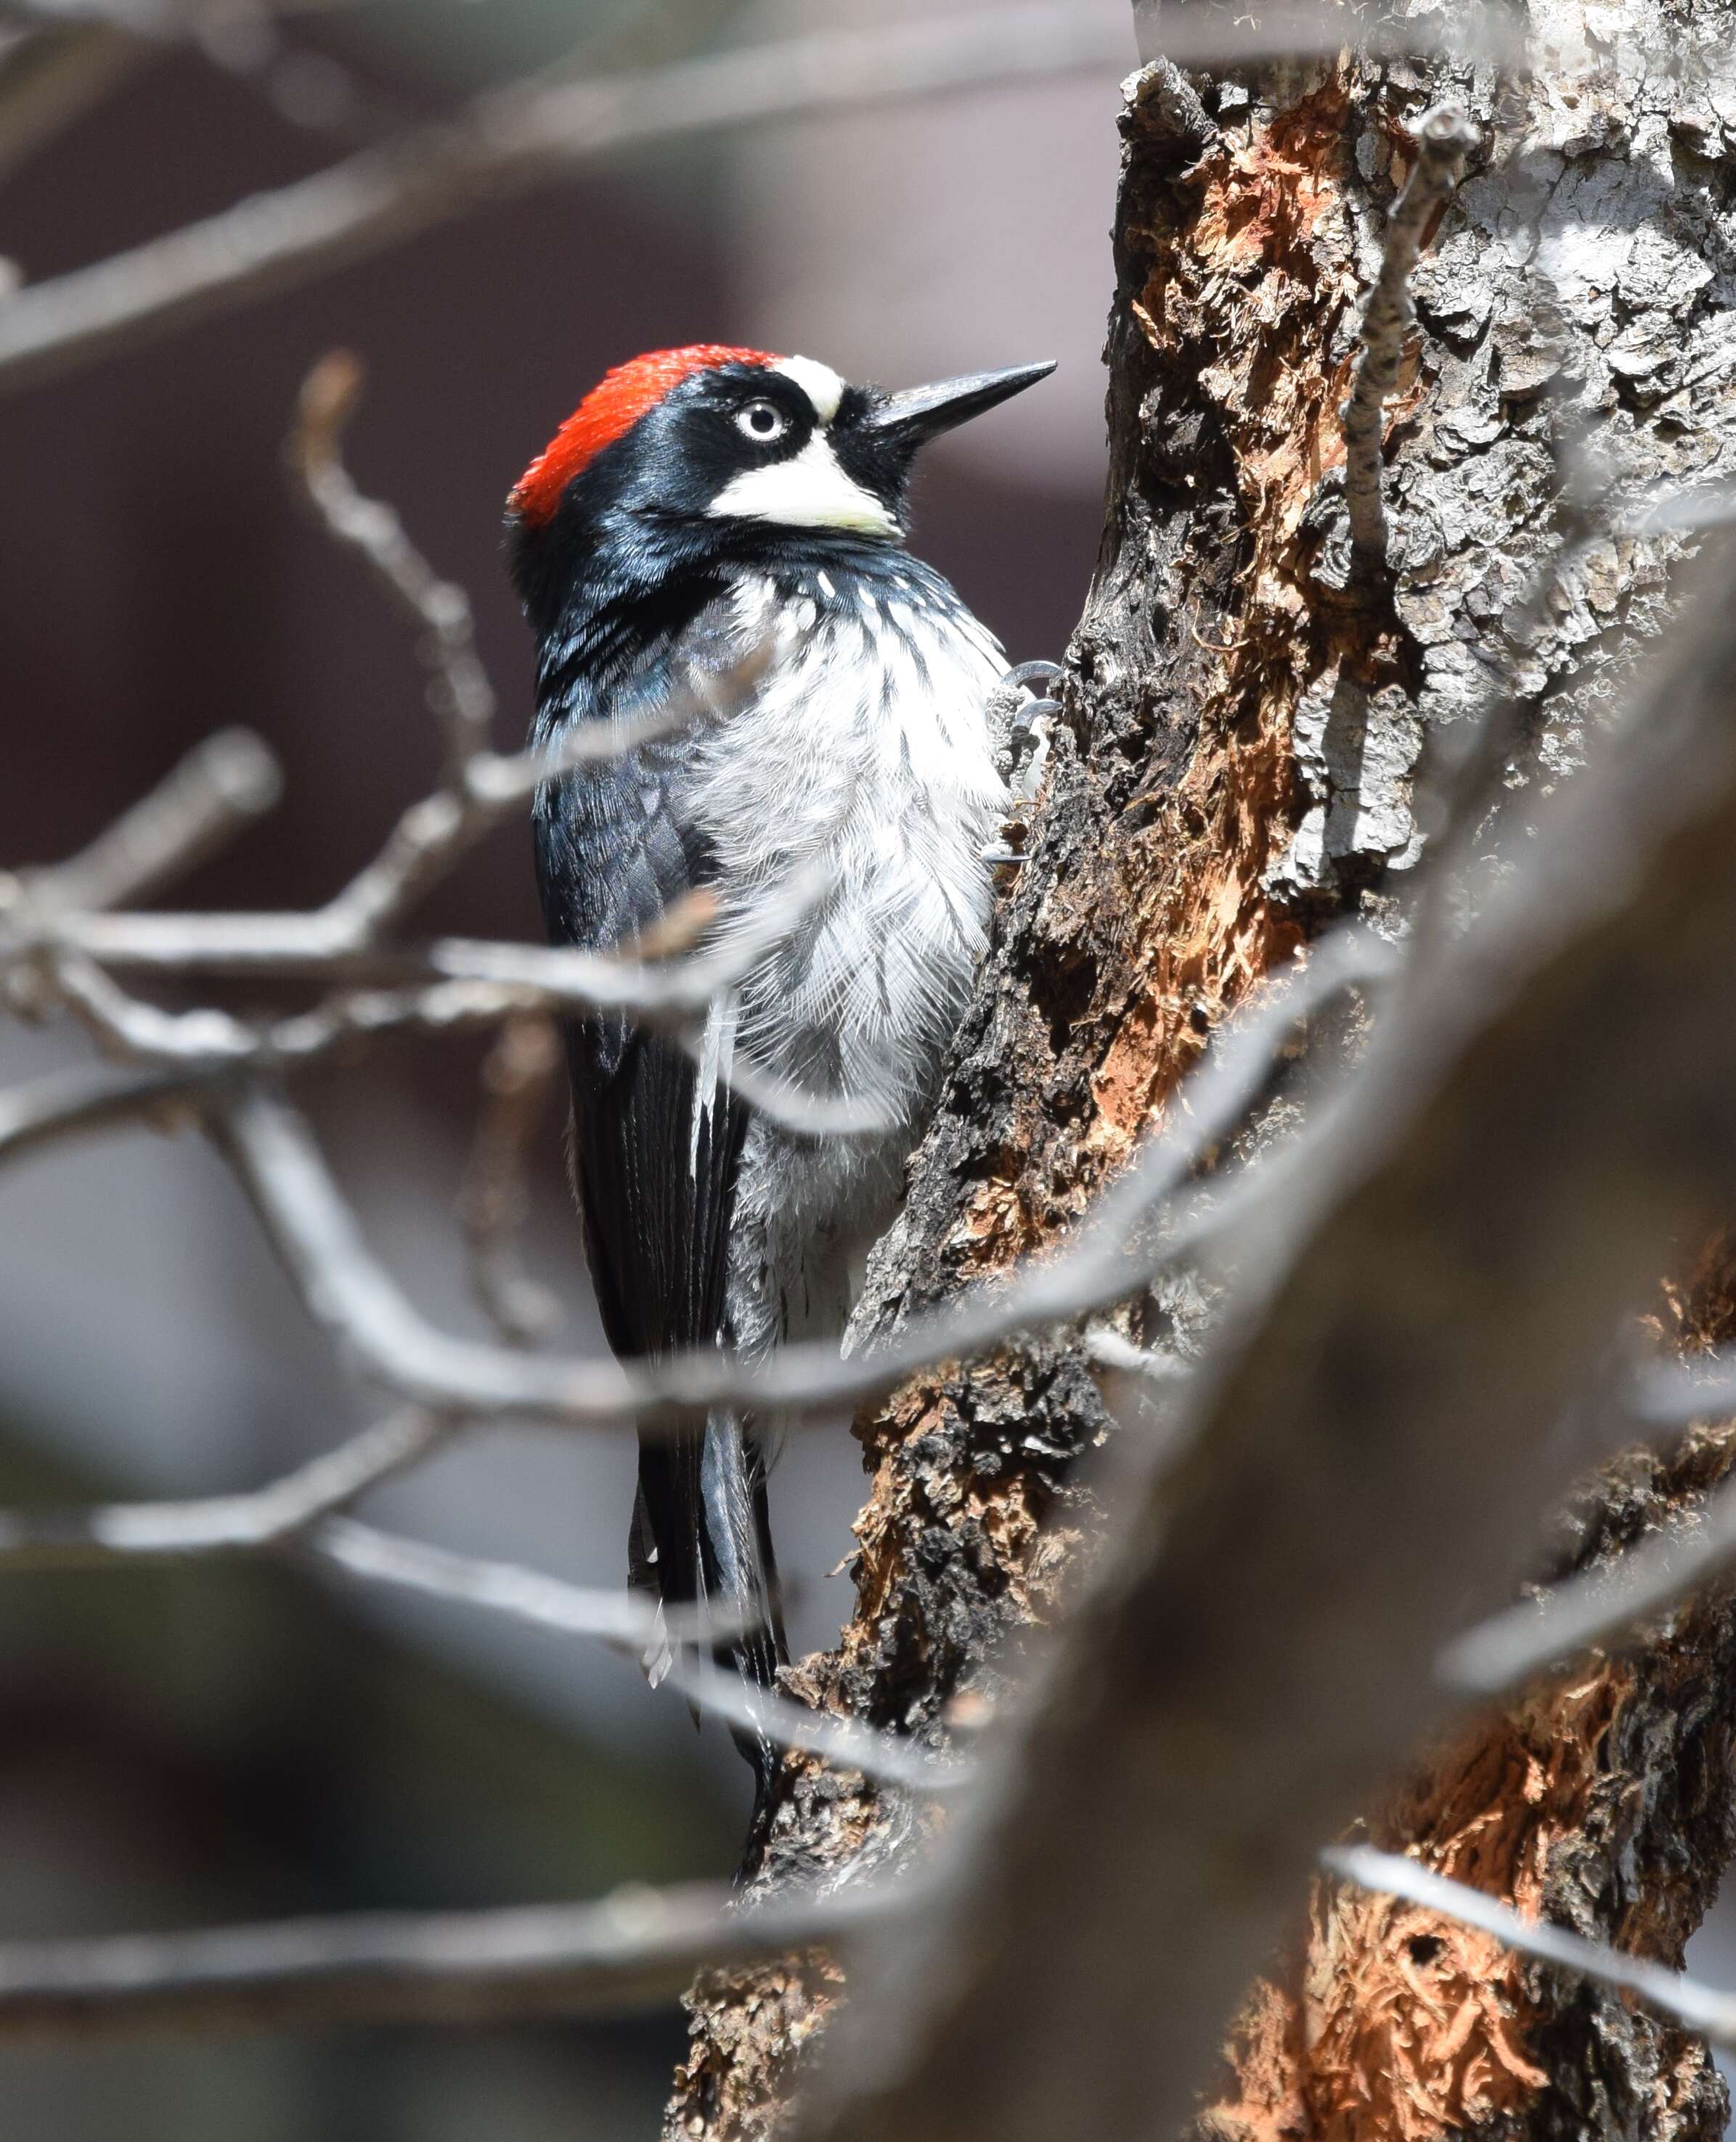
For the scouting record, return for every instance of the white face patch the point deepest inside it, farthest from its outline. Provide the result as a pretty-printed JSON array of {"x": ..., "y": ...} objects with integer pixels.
[
  {"x": 819, "y": 383},
  {"x": 809, "y": 491}
]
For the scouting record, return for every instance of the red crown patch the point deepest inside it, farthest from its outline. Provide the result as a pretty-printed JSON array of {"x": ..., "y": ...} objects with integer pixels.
[{"x": 611, "y": 408}]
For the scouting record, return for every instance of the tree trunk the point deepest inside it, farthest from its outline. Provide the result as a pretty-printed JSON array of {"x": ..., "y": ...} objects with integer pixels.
[{"x": 1244, "y": 716}]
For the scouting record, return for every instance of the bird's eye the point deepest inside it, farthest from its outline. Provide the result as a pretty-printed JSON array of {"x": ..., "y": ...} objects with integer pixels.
[{"x": 763, "y": 421}]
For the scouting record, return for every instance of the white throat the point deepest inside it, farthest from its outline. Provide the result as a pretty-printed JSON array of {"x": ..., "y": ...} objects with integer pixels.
[{"x": 811, "y": 489}]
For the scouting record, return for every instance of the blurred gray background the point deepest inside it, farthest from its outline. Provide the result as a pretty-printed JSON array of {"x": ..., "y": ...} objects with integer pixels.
[{"x": 231, "y": 1742}]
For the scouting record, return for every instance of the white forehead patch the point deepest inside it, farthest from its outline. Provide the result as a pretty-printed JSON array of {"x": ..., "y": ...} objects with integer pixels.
[
  {"x": 810, "y": 489},
  {"x": 819, "y": 383}
]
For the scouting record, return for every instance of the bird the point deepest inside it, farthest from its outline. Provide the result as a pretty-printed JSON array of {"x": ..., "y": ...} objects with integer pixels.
[{"x": 715, "y": 535}]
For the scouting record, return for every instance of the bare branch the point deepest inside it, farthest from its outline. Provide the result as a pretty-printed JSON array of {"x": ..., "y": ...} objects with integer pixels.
[
  {"x": 518, "y": 1080},
  {"x": 87, "y": 1098},
  {"x": 1594, "y": 1606},
  {"x": 1682, "y": 1999},
  {"x": 1444, "y": 138},
  {"x": 294, "y": 1506},
  {"x": 845, "y": 1743},
  {"x": 211, "y": 1043},
  {"x": 221, "y": 785},
  {"x": 459, "y": 692},
  {"x": 347, "y": 1290},
  {"x": 1701, "y": 506},
  {"x": 49, "y": 77},
  {"x": 488, "y": 983},
  {"x": 635, "y": 1949},
  {"x": 436, "y": 832},
  {"x": 615, "y": 1617},
  {"x": 1677, "y": 1393},
  {"x": 508, "y": 142},
  {"x": 626, "y": 1624},
  {"x": 224, "y": 1524},
  {"x": 1226, "y": 37}
]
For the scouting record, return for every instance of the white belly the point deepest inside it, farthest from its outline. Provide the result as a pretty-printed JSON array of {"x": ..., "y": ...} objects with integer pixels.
[{"x": 868, "y": 751}]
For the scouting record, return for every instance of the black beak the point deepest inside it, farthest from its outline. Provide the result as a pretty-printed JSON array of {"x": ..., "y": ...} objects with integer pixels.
[{"x": 912, "y": 418}]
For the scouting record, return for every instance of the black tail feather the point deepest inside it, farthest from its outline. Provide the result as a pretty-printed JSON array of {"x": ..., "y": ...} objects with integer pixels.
[{"x": 702, "y": 1536}]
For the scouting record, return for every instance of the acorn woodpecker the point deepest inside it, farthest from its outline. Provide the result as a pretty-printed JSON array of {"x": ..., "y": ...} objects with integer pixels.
[{"x": 701, "y": 504}]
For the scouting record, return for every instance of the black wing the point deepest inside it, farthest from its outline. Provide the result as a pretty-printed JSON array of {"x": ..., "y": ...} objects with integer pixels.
[{"x": 656, "y": 1191}]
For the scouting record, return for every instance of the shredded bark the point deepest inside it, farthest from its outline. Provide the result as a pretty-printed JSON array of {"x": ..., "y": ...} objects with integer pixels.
[{"x": 1244, "y": 721}]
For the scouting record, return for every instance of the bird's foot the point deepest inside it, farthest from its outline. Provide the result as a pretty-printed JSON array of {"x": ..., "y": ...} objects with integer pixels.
[{"x": 1029, "y": 715}]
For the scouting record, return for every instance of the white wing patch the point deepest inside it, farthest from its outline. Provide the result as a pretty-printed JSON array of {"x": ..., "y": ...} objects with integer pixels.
[{"x": 809, "y": 491}]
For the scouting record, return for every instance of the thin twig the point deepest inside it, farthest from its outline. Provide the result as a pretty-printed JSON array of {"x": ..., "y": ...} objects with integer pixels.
[
  {"x": 212, "y": 1044},
  {"x": 1684, "y": 2001},
  {"x": 1444, "y": 137},
  {"x": 619, "y": 1618},
  {"x": 509, "y": 141},
  {"x": 459, "y": 691},
  {"x": 209, "y": 1046},
  {"x": 304, "y": 1505},
  {"x": 221, "y": 785},
  {"x": 1676, "y": 1394},
  {"x": 1595, "y": 1606},
  {"x": 435, "y": 833},
  {"x": 50, "y": 77},
  {"x": 224, "y": 1524},
  {"x": 627, "y": 1624},
  {"x": 637, "y": 1948},
  {"x": 347, "y": 1290},
  {"x": 89, "y": 1097},
  {"x": 519, "y": 1079},
  {"x": 450, "y": 984}
]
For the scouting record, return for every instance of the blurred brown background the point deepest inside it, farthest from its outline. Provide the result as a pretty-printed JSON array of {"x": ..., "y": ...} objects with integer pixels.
[{"x": 226, "y": 1742}]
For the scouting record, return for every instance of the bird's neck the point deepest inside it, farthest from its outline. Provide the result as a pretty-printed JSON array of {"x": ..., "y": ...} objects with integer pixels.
[{"x": 598, "y": 612}]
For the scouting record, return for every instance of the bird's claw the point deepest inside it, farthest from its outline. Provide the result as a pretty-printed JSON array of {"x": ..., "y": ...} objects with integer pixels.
[
  {"x": 1035, "y": 672},
  {"x": 1035, "y": 721},
  {"x": 1025, "y": 719}
]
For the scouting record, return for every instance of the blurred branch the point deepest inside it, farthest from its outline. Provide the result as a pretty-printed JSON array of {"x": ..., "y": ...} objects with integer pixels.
[
  {"x": 459, "y": 692},
  {"x": 506, "y": 141},
  {"x": 224, "y": 1524},
  {"x": 451, "y": 982},
  {"x": 1595, "y": 1606},
  {"x": 303, "y": 1504},
  {"x": 615, "y": 1617},
  {"x": 1212, "y": 37},
  {"x": 1673, "y": 1993},
  {"x": 49, "y": 77},
  {"x": 627, "y": 1624},
  {"x": 1677, "y": 1393},
  {"x": 635, "y": 1949},
  {"x": 221, "y": 785},
  {"x": 350, "y": 1293},
  {"x": 434, "y": 834},
  {"x": 88, "y": 1098},
  {"x": 347, "y": 1289},
  {"x": 1444, "y": 138},
  {"x": 519, "y": 1080}
]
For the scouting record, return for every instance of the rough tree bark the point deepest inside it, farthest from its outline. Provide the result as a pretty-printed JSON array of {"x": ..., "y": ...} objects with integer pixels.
[{"x": 1245, "y": 715}]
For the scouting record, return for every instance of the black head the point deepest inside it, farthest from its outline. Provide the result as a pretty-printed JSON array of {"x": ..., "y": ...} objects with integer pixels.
[{"x": 702, "y": 446}]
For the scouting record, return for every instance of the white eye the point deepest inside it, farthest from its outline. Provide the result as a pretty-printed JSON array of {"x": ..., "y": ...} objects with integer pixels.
[{"x": 762, "y": 421}]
